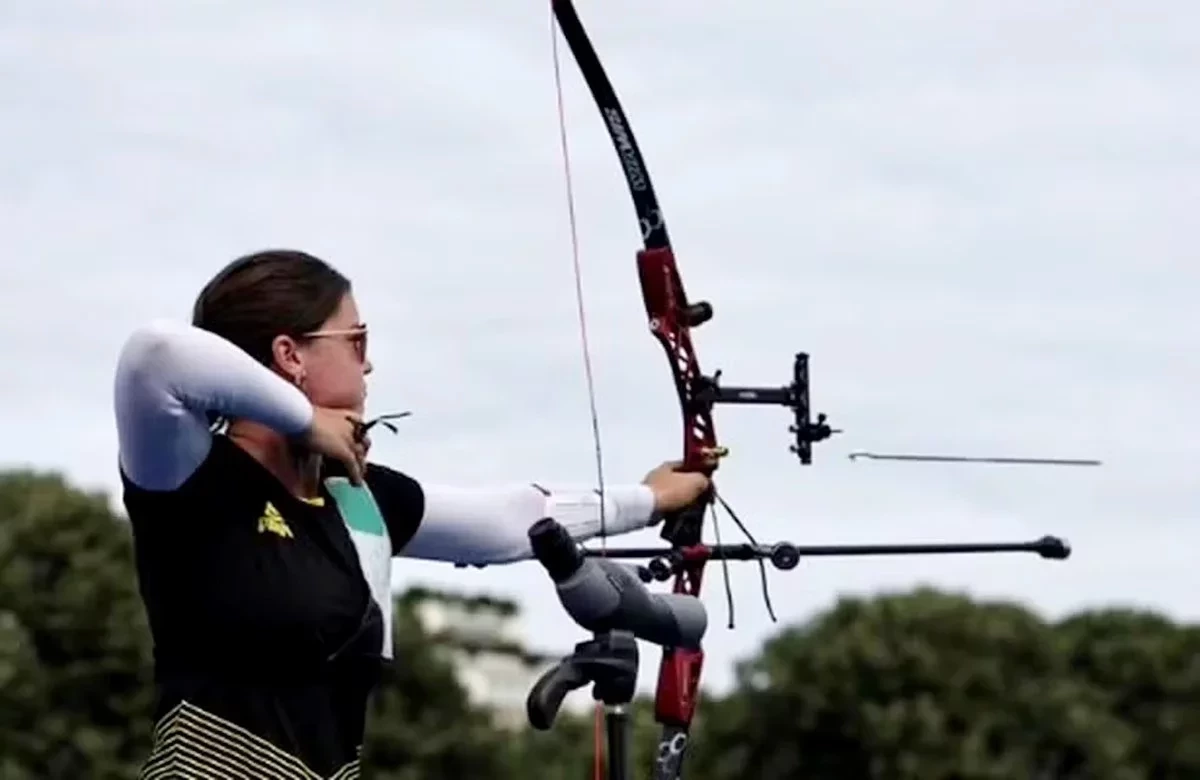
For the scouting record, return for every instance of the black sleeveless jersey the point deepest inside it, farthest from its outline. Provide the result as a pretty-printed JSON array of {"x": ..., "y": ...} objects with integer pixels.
[{"x": 266, "y": 639}]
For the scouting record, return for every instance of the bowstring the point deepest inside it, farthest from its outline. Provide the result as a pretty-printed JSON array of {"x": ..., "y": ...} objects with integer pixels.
[
  {"x": 578, "y": 272},
  {"x": 597, "y": 746}
]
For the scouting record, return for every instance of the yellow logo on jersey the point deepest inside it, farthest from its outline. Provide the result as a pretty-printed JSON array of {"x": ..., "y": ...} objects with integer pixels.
[{"x": 272, "y": 522}]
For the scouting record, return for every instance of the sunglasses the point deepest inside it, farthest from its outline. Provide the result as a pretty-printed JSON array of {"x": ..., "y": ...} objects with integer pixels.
[{"x": 357, "y": 336}]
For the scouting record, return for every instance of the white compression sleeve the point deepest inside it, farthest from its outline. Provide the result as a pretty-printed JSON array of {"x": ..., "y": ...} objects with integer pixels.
[
  {"x": 481, "y": 526},
  {"x": 169, "y": 376}
]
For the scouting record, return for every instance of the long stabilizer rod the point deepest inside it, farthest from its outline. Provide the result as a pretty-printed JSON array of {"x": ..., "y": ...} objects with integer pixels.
[{"x": 785, "y": 555}]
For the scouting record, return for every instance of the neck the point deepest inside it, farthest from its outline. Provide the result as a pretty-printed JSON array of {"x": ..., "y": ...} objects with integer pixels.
[{"x": 296, "y": 468}]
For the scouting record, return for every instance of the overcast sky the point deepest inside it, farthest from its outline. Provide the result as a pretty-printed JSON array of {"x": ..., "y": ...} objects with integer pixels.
[{"x": 979, "y": 219}]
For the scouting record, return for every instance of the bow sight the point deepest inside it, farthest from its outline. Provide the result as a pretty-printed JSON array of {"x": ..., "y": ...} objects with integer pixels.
[
  {"x": 707, "y": 391},
  {"x": 794, "y": 396}
]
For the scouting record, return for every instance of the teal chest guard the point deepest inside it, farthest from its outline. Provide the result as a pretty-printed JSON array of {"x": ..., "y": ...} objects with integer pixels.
[{"x": 369, "y": 533}]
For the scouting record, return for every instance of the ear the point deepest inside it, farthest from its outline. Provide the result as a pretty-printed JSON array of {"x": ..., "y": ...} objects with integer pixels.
[{"x": 288, "y": 358}]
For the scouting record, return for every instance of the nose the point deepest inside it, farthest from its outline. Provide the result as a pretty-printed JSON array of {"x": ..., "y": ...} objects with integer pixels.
[{"x": 368, "y": 366}]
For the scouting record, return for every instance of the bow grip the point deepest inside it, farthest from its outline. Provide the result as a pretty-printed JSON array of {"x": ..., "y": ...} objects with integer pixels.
[{"x": 683, "y": 527}]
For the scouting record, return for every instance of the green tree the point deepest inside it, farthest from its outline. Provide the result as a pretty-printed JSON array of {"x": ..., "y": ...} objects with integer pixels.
[
  {"x": 925, "y": 685},
  {"x": 75, "y": 661},
  {"x": 1149, "y": 669}
]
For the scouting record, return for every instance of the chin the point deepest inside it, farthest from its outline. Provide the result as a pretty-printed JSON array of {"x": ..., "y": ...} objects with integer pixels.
[{"x": 352, "y": 401}]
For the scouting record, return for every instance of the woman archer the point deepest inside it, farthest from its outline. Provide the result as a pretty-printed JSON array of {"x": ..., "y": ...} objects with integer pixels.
[{"x": 263, "y": 544}]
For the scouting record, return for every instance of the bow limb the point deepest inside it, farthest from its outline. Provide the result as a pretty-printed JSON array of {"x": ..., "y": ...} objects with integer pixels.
[
  {"x": 670, "y": 314},
  {"x": 671, "y": 317}
]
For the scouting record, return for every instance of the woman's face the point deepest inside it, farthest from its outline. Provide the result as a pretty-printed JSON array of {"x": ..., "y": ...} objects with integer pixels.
[{"x": 333, "y": 360}]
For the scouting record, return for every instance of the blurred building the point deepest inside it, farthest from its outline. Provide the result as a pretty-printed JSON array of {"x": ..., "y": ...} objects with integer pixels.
[{"x": 481, "y": 636}]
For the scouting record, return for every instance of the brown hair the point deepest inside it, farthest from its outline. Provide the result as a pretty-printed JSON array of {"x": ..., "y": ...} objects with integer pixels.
[{"x": 266, "y": 294}]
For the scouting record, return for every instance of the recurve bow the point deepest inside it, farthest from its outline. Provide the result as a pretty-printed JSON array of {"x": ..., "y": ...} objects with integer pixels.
[{"x": 671, "y": 317}]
